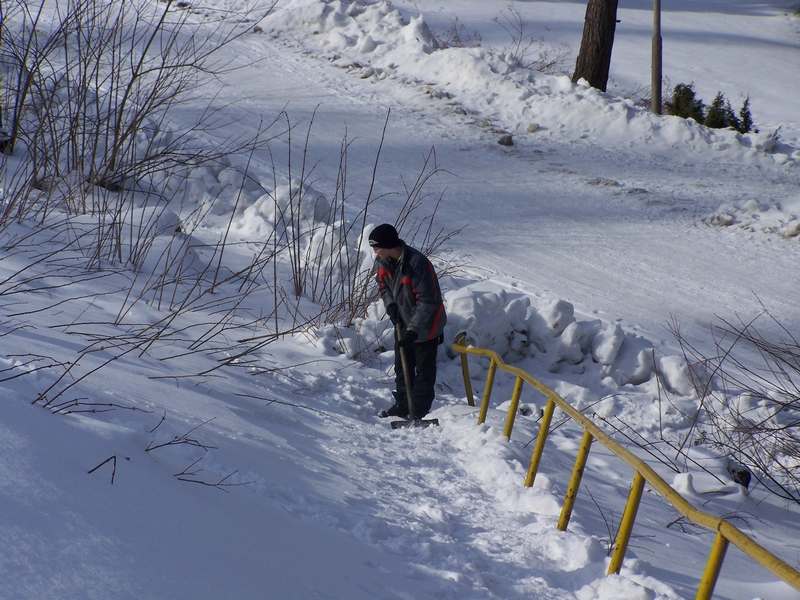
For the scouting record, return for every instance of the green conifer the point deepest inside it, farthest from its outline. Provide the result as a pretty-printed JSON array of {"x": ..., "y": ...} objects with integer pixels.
[
  {"x": 684, "y": 104},
  {"x": 745, "y": 118},
  {"x": 717, "y": 117},
  {"x": 731, "y": 119}
]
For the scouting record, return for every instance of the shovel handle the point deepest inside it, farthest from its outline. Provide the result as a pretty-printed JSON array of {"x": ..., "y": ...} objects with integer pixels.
[{"x": 406, "y": 373}]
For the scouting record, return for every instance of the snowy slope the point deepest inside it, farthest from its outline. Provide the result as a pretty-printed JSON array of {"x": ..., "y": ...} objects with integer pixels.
[{"x": 275, "y": 479}]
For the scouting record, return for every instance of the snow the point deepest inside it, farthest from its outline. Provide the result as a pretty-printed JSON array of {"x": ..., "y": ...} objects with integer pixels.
[{"x": 173, "y": 472}]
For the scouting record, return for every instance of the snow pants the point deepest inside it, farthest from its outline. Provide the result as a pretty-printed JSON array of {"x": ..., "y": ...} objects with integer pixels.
[{"x": 421, "y": 361}]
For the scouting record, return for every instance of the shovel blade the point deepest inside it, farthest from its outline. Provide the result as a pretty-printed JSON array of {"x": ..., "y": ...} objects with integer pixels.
[{"x": 414, "y": 423}]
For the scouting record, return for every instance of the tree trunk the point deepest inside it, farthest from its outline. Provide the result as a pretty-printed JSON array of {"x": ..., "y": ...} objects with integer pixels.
[{"x": 594, "y": 58}]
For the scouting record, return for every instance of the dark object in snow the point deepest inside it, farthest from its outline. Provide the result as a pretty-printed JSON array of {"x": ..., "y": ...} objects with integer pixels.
[
  {"x": 5, "y": 140},
  {"x": 506, "y": 140},
  {"x": 739, "y": 473}
]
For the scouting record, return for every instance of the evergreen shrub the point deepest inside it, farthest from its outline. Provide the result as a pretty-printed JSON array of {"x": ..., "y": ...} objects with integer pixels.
[
  {"x": 720, "y": 115},
  {"x": 683, "y": 103}
]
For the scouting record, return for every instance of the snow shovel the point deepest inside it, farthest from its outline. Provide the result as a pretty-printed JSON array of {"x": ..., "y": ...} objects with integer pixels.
[{"x": 412, "y": 421}]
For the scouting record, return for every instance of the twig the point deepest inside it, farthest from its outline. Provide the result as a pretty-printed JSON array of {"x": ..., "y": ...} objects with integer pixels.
[
  {"x": 182, "y": 439},
  {"x": 292, "y": 404},
  {"x": 113, "y": 470},
  {"x": 612, "y": 532},
  {"x": 187, "y": 475}
]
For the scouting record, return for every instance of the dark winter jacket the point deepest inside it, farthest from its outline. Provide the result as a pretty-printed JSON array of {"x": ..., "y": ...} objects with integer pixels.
[{"x": 411, "y": 283}]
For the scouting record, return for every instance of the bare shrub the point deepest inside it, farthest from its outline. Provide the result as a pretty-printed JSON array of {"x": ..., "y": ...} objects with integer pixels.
[
  {"x": 93, "y": 189},
  {"x": 456, "y": 36},
  {"x": 529, "y": 51},
  {"x": 327, "y": 257},
  {"x": 752, "y": 413},
  {"x": 89, "y": 87},
  {"x": 94, "y": 245},
  {"x": 524, "y": 48},
  {"x": 207, "y": 300}
]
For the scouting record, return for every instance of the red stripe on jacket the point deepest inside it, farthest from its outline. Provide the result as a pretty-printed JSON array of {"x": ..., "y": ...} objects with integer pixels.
[
  {"x": 436, "y": 321},
  {"x": 382, "y": 274}
]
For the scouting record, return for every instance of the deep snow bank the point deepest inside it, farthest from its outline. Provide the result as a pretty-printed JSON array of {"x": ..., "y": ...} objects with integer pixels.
[{"x": 376, "y": 41}]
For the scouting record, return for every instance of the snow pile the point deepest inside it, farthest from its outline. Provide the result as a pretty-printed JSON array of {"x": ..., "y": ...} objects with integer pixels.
[
  {"x": 780, "y": 218},
  {"x": 548, "y": 332},
  {"x": 629, "y": 585},
  {"x": 376, "y": 41},
  {"x": 543, "y": 334},
  {"x": 294, "y": 207}
]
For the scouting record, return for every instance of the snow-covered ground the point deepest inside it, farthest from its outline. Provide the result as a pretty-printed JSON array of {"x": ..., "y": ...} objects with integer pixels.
[{"x": 272, "y": 477}]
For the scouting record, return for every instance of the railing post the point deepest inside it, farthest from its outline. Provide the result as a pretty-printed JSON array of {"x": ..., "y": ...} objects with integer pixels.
[
  {"x": 487, "y": 393},
  {"x": 460, "y": 340},
  {"x": 626, "y": 526},
  {"x": 713, "y": 567},
  {"x": 575, "y": 481},
  {"x": 512, "y": 410},
  {"x": 467, "y": 381},
  {"x": 544, "y": 429}
]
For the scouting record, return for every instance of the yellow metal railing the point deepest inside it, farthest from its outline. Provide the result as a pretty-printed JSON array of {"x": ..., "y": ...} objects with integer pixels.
[{"x": 725, "y": 532}]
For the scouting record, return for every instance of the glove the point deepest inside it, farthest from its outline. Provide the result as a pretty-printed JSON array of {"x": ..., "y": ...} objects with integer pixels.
[
  {"x": 394, "y": 314},
  {"x": 408, "y": 338}
]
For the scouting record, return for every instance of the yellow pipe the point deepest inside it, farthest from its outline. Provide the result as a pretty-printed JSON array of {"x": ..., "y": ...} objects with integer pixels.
[
  {"x": 487, "y": 393},
  {"x": 575, "y": 481},
  {"x": 770, "y": 562},
  {"x": 512, "y": 410},
  {"x": 713, "y": 567},
  {"x": 626, "y": 525},
  {"x": 544, "y": 429},
  {"x": 757, "y": 553},
  {"x": 460, "y": 339},
  {"x": 467, "y": 382}
]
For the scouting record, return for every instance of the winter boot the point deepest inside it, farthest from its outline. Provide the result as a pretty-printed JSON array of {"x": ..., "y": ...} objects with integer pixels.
[{"x": 398, "y": 409}]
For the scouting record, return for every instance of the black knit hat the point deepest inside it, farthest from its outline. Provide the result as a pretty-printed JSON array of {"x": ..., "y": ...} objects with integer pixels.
[{"x": 384, "y": 236}]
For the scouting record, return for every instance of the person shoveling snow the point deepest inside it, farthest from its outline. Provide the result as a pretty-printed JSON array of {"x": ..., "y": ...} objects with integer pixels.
[{"x": 410, "y": 292}]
